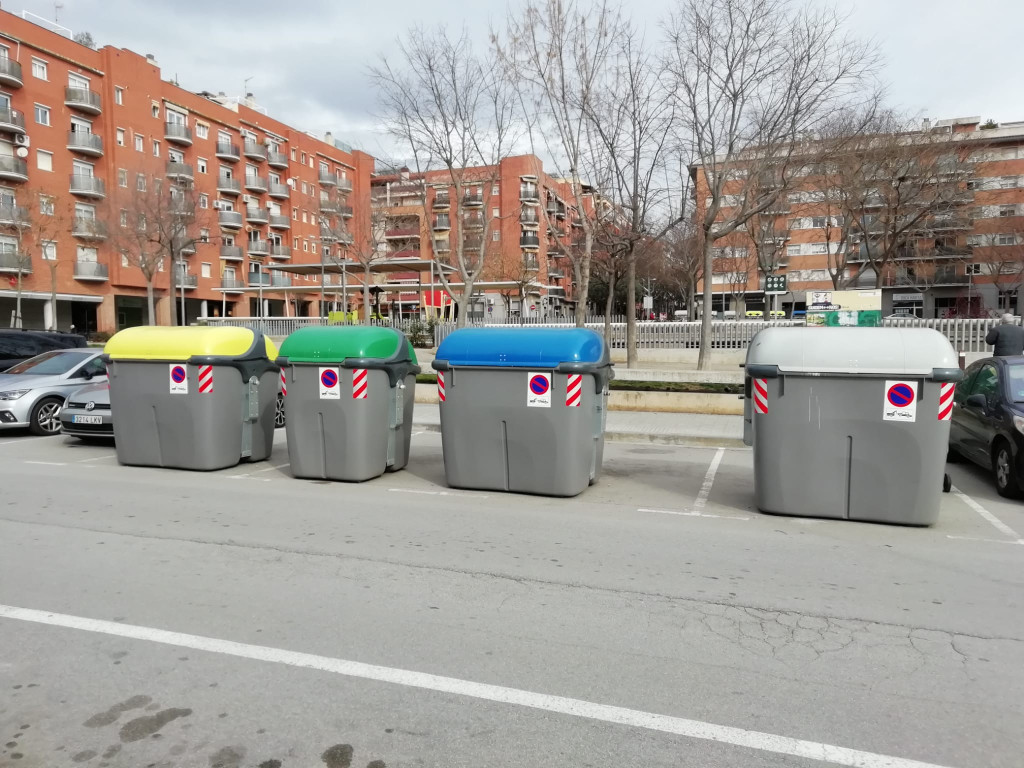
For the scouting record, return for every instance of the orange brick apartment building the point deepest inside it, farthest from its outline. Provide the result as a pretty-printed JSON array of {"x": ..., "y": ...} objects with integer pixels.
[
  {"x": 973, "y": 263},
  {"x": 78, "y": 125}
]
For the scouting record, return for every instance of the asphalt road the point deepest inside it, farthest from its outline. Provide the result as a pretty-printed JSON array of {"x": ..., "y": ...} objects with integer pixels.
[{"x": 246, "y": 619}]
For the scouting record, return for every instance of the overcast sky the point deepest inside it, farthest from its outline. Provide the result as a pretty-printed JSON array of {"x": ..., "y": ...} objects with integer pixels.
[{"x": 307, "y": 59}]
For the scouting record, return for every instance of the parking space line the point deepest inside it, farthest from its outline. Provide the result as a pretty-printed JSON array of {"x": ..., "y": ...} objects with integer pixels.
[
  {"x": 587, "y": 710},
  {"x": 24, "y": 440},
  {"x": 998, "y": 524},
  {"x": 48, "y": 463},
  {"x": 437, "y": 493},
  {"x": 270, "y": 469},
  {"x": 987, "y": 541},
  {"x": 97, "y": 458},
  {"x": 691, "y": 513},
  {"x": 709, "y": 480}
]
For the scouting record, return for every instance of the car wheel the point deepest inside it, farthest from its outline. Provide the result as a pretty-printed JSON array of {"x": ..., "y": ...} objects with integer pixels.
[
  {"x": 279, "y": 412},
  {"x": 1007, "y": 483},
  {"x": 45, "y": 418}
]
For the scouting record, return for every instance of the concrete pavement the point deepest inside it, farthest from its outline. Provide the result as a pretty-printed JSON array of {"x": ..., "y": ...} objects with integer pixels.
[{"x": 659, "y": 590}]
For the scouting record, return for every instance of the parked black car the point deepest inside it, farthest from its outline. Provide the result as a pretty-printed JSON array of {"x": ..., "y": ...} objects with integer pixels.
[
  {"x": 17, "y": 346},
  {"x": 987, "y": 424}
]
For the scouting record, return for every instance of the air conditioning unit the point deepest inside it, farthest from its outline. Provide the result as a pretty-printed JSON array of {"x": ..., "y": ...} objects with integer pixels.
[{"x": 21, "y": 140}]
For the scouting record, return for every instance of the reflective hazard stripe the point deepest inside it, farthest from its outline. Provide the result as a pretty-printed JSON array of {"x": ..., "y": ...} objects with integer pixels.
[
  {"x": 761, "y": 395},
  {"x": 946, "y": 402},
  {"x": 440, "y": 386},
  {"x": 574, "y": 390},
  {"x": 359, "y": 381},
  {"x": 206, "y": 379}
]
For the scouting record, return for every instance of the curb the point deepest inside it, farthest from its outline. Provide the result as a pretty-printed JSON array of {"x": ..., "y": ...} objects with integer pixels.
[{"x": 685, "y": 441}]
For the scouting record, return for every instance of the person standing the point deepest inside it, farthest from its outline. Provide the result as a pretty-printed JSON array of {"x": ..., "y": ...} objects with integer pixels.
[{"x": 1007, "y": 338}]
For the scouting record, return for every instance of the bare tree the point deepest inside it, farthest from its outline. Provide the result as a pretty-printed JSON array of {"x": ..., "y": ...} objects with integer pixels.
[
  {"x": 683, "y": 266},
  {"x": 454, "y": 112},
  {"x": 53, "y": 214},
  {"x": 559, "y": 54},
  {"x": 753, "y": 79},
  {"x": 1001, "y": 260},
  {"x": 157, "y": 227},
  {"x": 16, "y": 224},
  {"x": 365, "y": 250}
]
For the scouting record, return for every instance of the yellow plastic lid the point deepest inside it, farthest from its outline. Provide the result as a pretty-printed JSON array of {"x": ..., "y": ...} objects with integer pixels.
[{"x": 169, "y": 343}]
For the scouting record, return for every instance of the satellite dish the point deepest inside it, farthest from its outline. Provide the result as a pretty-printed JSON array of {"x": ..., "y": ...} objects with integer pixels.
[{"x": 21, "y": 152}]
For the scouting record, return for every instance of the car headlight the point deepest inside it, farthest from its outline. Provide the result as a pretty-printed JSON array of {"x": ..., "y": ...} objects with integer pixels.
[
  {"x": 1018, "y": 422},
  {"x": 13, "y": 394}
]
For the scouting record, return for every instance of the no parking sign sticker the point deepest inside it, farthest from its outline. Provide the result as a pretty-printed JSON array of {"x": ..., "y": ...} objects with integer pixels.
[
  {"x": 329, "y": 389},
  {"x": 900, "y": 401},
  {"x": 538, "y": 390},
  {"x": 178, "y": 379}
]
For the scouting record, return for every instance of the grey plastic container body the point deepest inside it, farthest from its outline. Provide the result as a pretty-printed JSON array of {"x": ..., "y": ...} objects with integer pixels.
[
  {"x": 155, "y": 428},
  {"x": 823, "y": 449},
  {"x": 492, "y": 440},
  {"x": 347, "y": 439}
]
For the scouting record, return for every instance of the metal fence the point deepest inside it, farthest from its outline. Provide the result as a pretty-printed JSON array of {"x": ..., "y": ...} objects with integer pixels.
[{"x": 282, "y": 326}]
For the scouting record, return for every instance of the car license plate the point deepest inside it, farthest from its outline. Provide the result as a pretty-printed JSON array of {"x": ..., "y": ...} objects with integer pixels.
[{"x": 86, "y": 419}]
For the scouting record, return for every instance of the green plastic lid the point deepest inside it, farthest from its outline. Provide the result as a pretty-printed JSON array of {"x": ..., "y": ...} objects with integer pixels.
[{"x": 334, "y": 344}]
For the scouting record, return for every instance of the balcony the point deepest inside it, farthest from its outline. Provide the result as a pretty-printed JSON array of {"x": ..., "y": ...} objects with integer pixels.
[
  {"x": 255, "y": 183},
  {"x": 232, "y": 285},
  {"x": 473, "y": 221},
  {"x": 531, "y": 265},
  {"x": 258, "y": 248},
  {"x": 87, "y": 186},
  {"x": 529, "y": 241},
  {"x": 259, "y": 278},
  {"x": 280, "y": 221},
  {"x": 441, "y": 223},
  {"x": 279, "y": 191},
  {"x": 557, "y": 230},
  {"x": 529, "y": 218},
  {"x": 231, "y": 253},
  {"x": 11, "y": 120},
  {"x": 183, "y": 248},
  {"x": 280, "y": 251},
  {"x": 395, "y": 233},
  {"x": 83, "y": 100},
  {"x": 186, "y": 281},
  {"x": 15, "y": 263},
  {"x": 254, "y": 150},
  {"x": 13, "y": 216},
  {"x": 180, "y": 172},
  {"x": 556, "y": 292},
  {"x": 85, "y": 143},
  {"x": 328, "y": 179},
  {"x": 227, "y": 151},
  {"x": 256, "y": 215},
  {"x": 472, "y": 244},
  {"x": 89, "y": 229},
  {"x": 344, "y": 186},
  {"x": 950, "y": 223},
  {"x": 176, "y": 133},
  {"x": 954, "y": 251},
  {"x": 330, "y": 206},
  {"x": 472, "y": 199},
  {"x": 556, "y": 274},
  {"x": 346, "y": 211},
  {"x": 277, "y": 159},
  {"x": 228, "y": 186},
  {"x": 13, "y": 169},
  {"x": 10, "y": 73},
  {"x": 229, "y": 219},
  {"x": 91, "y": 271},
  {"x": 529, "y": 193},
  {"x": 281, "y": 280},
  {"x": 443, "y": 246},
  {"x": 442, "y": 200},
  {"x": 328, "y": 235}
]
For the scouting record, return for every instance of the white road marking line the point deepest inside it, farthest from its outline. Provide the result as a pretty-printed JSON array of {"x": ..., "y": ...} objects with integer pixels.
[
  {"x": 269, "y": 469},
  {"x": 691, "y": 513},
  {"x": 414, "y": 434},
  {"x": 26, "y": 439},
  {"x": 437, "y": 493},
  {"x": 709, "y": 480},
  {"x": 250, "y": 477},
  {"x": 987, "y": 541},
  {"x": 998, "y": 524},
  {"x": 97, "y": 458},
  {"x": 49, "y": 463},
  {"x": 693, "y": 729}
]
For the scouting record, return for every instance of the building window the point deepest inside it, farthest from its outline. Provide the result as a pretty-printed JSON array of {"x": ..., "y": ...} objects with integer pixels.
[
  {"x": 124, "y": 259},
  {"x": 139, "y": 144},
  {"x": 118, "y": 94},
  {"x": 122, "y": 177},
  {"x": 201, "y": 165},
  {"x": 312, "y": 247},
  {"x": 156, "y": 111},
  {"x": 1010, "y": 239},
  {"x": 496, "y": 235},
  {"x": 303, "y": 158},
  {"x": 204, "y": 269},
  {"x": 44, "y": 160},
  {"x": 816, "y": 248},
  {"x": 156, "y": 148},
  {"x": 140, "y": 182},
  {"x": 1008, "y": 182},
  {"x": 818, "y": 222},
  {"x": 49, "y": 250},
  {"x": 495, "y": 213},
  {"x": 40, "y": 69},
  {"x": 124, "y": 218},
  {"x": 204, "y": 235},
  {"x": 495, "y": 190},
  {"x": 120, "y": 137},
  {"x": 1007, "y": 210},
  {"x": 295, "y": 214},
  {"x": 293, "y": 154},
  {"x": 304, "y": 217},
  {"x": 972, "y": 269},
  {"x": 305, "y": 188},
  {"x": 204, "y": 201},
  {"x": 202, "y": 131},
  {"x": 87, "y": 254},
  {"x": 42, "y": 114},
  {"x": 305, "y": 245}
]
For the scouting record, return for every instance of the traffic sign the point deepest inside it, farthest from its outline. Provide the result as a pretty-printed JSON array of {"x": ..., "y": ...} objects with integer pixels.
[
  {"x": 539, "y": 390},
  {"x": 178, "y": 380},
  {"x": 900, "y": 401},
  {"x": 900, "y": 395},
  {"x": 775, "y": 284},
  {"x": 329, "y": 389}
]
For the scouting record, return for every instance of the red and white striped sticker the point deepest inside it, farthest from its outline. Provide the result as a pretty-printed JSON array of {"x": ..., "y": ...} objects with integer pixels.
[
  {"x": 946, "y": 402},
  {"x": 205, "y": 379},
  {"x": 761, "y": 395},
  {"x": 284, "y": 383},
  {"x": 440, "y": 386},
  {"x": 574, "y": 390},
  {"x": 359, "y": 386}
]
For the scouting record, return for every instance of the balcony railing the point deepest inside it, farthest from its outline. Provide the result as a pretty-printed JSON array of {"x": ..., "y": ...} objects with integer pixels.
[
  {"x": 258, "y": 248},
  {"x": 442, "y": 223},
  {"x": 473, "y": 221},
  {"x": 280, "y": 252},
  {"x": 11, "y": 261},
  {"x": 277, "y": 159},
  {"x": 255, "y": 183},
  {"x": 345, "y": 211},
  {"x": 91, "y": 270},
  {"x": 232, "y": 284},
  {"x": 85, "y": 143},
  {"x": 185, "y": 281},
  {"x": 529, "y": 218},
  {"x": 280, "y": 221},
  {"x": 11, "y": 120},
  {"x": 528, "y": 192},
  {"x": 87, "y": 186},
  {"x": 280, "y": 280},
  {"x": 473, "y": 199},
  {"x": 254, "y": 150},
  {"x": 344, "y": 185},
  {"x": 13, "y": 216},
  {"x": 330, "y": 206},
  {"x": 231, "y": 253},
  {"x": 10, "y": 73},
  {"x": 259, "y": 278},
  {"x": 176, "y": 133},
  {"x": 395, "y": 232},
  {"x": 180, "y": 172},
  {"x": 279, "y": 191},
  {"x": 256, "y": 215},
  {"x": 442, "y": 200},
  {"x": 228, "y": 186},
  {"x": 227, "y": 151},
  {"x": 13, "y": 169},
  {"x": 230, "y": 219},
  {"x": 443, "y": 246},
  {"x": 328, "y": 179},
  {"x": 83, "y": 100},
  {"x": 529, "y": 241},
  {"x": 89, "y": 229}
]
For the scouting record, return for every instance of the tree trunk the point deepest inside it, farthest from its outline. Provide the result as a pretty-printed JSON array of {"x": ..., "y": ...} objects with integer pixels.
[
  {"x": 174, "y": 295},
  {"x": 631, "y": 314},
  {"x": 583, "y": 284},
  {"x": 17, "y": 304},
  {"x": 609, "y": 305},
  {"x": 704, "y": 357},
  {"x": 467, "y": 294},
  {"x": 366, "y": 297},
  {"x": 53, "y": 295},
  {"x": 150, "y": 302},
  {"x": 691, "y": 301}
]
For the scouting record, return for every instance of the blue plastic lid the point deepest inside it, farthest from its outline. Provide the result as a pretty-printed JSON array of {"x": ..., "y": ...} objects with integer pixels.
[{"x": 522, "y": 347}]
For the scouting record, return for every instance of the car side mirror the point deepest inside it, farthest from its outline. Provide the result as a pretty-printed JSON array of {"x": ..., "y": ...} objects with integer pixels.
[{"x": 977, "y": 401}]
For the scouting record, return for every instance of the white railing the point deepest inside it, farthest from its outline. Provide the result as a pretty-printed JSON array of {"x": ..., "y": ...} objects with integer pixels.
[
  {"x": 282, "y": 326},
  {"x": 965, "y": 334}
]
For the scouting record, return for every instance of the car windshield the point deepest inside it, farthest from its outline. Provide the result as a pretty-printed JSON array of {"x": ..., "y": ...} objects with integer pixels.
[
  {"x": 51, "y": 363},
  {"x": 1015, "y": 381}
]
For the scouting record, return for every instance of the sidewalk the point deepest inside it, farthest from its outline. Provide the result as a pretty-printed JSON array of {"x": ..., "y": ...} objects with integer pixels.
[{"x": 639, "y": 427}]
